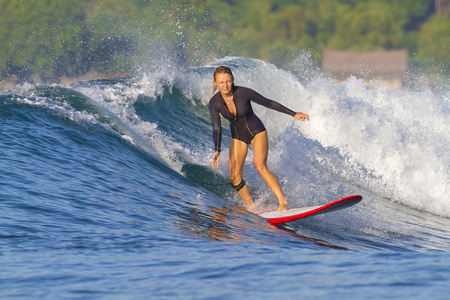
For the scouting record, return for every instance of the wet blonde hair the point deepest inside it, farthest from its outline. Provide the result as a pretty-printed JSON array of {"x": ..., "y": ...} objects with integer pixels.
[{"x": 219, "y": 70}]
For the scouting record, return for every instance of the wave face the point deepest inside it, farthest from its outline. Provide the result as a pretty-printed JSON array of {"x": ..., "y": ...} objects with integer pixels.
[{"x": 112, "y": 177}]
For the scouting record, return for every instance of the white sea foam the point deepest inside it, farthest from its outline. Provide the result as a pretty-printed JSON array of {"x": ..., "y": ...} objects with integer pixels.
[
  {"x": 394, "y": 143},
  {"x": 119, "y": 100}
]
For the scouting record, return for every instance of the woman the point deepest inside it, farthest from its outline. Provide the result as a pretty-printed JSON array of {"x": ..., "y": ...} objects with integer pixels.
[{"x": 233, "y": 103}]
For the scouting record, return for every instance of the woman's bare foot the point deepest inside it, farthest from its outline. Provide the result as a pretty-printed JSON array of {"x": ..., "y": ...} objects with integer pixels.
[
  {"x": 251, "y": 208},
  {"x": 283, "y": 206}
]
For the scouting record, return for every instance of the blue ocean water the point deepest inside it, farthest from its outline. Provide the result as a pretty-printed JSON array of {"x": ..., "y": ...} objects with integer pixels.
[{"x": 106, "y": 191}]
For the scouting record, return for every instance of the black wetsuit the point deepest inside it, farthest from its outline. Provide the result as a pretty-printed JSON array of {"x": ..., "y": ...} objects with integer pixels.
[{"x": 245, "y": 124}]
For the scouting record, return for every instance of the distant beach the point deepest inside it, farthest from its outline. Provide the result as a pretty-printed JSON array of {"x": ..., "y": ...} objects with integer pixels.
[{"x": 10, "y": 82}]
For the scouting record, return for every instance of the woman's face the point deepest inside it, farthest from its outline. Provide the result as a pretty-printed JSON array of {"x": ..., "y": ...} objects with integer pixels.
[{"x": 224, "y": 83}]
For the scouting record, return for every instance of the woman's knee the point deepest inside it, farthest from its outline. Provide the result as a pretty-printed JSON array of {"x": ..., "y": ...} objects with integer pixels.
[
  {"x": 261, "y": 168},
  {"x": 232, "y": 178},
  {"x": 235, "y": 178}
]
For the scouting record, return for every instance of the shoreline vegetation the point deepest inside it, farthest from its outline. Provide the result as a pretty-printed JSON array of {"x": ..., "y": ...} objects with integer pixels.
[
  {"x": 11, "y": 82},
  {"x": 67, "y": 41}
]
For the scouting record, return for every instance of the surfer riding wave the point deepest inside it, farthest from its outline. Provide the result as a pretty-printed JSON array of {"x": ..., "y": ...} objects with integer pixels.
[{"x": 234, "y": 103}]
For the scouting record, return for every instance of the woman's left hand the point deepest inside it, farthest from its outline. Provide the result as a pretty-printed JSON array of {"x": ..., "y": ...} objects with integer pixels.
[
  {"x": 216, "y": 159},
  {"x": 302, "y": 117}
]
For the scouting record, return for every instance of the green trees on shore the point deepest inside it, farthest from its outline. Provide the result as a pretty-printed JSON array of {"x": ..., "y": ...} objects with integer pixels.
[
  {"x": 32, "y": 33},
  {"x": 69, "y": 38}
]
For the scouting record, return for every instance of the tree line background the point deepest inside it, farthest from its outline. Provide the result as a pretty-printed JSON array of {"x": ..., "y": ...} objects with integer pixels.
[{"x": 72, "y": 37}]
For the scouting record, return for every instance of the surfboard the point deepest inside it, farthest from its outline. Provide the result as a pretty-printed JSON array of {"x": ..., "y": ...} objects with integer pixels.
[{"x": 303, "y": 212}]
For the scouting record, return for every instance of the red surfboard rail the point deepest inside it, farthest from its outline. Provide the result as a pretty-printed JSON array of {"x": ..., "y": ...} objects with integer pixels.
[{"x": 285, "y": 216}]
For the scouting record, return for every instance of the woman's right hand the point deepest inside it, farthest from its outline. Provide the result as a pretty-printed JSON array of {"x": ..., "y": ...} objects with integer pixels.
[
  {"x": 302, "y": 117},
  {"x": 216, "y": 159}
]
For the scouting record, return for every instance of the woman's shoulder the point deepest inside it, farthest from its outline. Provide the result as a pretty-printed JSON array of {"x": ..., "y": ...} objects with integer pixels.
[
  {"x": 242, "y": 90},
  {"x": 215, "y": 98}
]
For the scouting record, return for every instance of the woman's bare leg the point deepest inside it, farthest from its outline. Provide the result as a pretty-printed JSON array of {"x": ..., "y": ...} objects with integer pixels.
[
  {"x": 260, "y": 149},
  {"x": 238, "y": 153}
]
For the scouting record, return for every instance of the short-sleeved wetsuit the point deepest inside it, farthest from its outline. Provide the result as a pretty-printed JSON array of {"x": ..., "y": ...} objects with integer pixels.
[{"x": 245, "y": 124}]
